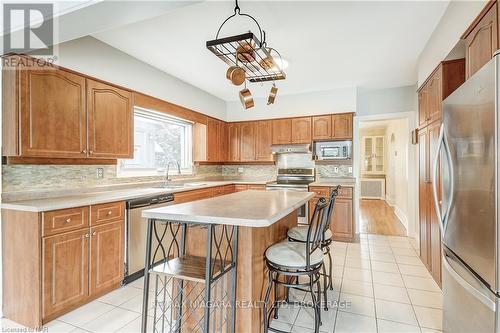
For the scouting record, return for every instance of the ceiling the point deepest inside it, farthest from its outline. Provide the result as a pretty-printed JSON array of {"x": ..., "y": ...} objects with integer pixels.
[{"x": 329, "y": 44}]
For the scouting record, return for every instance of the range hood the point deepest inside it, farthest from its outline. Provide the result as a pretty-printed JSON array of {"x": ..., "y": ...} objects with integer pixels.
[{"x": 291, "y": 148}]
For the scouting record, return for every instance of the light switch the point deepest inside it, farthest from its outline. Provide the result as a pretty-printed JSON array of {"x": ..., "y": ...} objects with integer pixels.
[{"x": 100, "y": 173}]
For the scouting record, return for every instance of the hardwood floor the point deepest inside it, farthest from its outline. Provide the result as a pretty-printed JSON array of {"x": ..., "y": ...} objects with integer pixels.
[{"x": 377, "y": 217}]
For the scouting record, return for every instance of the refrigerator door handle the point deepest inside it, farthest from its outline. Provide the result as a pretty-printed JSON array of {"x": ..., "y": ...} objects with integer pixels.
[
  {"x": 434, "y": 179},
  {"x": 467, "y": 286},
  {"x": 451, "y": 175}
]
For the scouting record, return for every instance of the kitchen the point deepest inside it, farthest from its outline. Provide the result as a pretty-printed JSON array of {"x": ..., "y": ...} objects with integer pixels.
[{"x": 144, "y": 180}]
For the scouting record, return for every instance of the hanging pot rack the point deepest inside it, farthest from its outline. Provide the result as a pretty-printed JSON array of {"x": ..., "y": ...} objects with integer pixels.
[{"x": 249, "y": 52}]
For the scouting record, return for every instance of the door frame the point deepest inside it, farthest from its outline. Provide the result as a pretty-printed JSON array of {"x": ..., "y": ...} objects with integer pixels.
[{"x": 412, "y": 165}]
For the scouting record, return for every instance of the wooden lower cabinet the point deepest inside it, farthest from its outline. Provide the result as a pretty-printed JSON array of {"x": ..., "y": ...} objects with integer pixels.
[
  {"x": 65, "y": 269},
  {"x": 107, "y": 256},
  {"x": 342, "y": 220},
  {"x": 65, "y": 266}
]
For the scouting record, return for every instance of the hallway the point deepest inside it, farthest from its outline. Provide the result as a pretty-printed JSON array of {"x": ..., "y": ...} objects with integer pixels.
[{"x": 377, "y": 217}]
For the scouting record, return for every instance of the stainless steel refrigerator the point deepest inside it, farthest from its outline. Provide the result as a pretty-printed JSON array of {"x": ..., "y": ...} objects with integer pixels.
[{"x": 468, "y": 150}]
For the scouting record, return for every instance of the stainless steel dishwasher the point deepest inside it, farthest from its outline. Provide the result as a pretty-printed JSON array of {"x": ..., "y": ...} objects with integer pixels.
[{"x": 136, "y": 229}]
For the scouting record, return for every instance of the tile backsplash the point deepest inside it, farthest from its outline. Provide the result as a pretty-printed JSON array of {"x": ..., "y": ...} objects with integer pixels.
[
  {"x": 40, "y": 177},
  {"x": 37, "y": 177}
]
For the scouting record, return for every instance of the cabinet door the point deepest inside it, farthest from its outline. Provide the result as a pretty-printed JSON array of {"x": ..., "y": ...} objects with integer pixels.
[
  {"x": 423, "y": 194},
  {"x": 106, "y": 253},
  {"x": 433, "y": 221},
  {"x": 263, "y": 138},
  {"x": 301, "y": 130},
  {"x": 435, "y": 97},
  {"x": 213, "y": 132},
  {"x": 322, "y": 128},
  {"x": 53, "y": 117},
  {"x": 65, "y": 271},
  {"x": 247, "y": 141},
  {"x": 342, "y": 126},
  {"x": 223, "y": 141},
  {"x": 234, "y": 142},
  {"x": 194, "y": 195},
  {"x": 111, "y": 127},
  {"x": 422, "y": 106},
  {"x": 481, "y": 42},
  {"x": 342, "y": 219},
  {"x": 282, "y": 131}
]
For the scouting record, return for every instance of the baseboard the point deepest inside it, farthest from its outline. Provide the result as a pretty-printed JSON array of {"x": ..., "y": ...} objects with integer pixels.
[
  {"x": 390, "y": 201},
  {"x": 402, "y": 217}
]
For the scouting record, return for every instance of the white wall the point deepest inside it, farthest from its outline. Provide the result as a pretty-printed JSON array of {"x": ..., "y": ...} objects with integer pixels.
[
  {"x": 397, "y": 167},
  {"x": 321, "y": 102},
  {"x": 390, "y": 100},
  {"x": 90, "y": 56},
  {"x": 457, "y": 17}
]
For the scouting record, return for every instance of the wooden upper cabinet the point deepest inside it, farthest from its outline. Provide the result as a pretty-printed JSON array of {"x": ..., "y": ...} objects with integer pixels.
[
  {"x": 247, "y": 143},
  {"x": 301, "y": 130},
  {"x": 422, "y": 106},
  {"x": 213, "y": 138},
  {"x": 65, "y": 281},
  {"x": 322, "y": 127},
  {"x": 53, "y": 120},
  {"x": 447, "y": 77},
  {"x": 107, "y": 252},
  {"x": 263, "y": 138},
  {"x": 282, "y": 131},
  {"x": 233, "y": 130},
  {"x": 481, "y": 42},
  {"x": 110, "y": 119},
  {"x": 223, "y": 141},
  {"x": 342, "y": 126}
]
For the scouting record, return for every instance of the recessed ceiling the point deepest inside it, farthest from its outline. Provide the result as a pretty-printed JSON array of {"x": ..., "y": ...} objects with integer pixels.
[{"x": 329, "y": 45}]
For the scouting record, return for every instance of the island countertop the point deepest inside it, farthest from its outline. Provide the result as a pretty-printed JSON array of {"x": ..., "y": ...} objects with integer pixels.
[{"x": 247, "y": 209}]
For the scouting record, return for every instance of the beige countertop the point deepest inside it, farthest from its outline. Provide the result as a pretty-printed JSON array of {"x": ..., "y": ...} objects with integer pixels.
[
  {"x": 247, "y": 209},
  {"x": 344, "y": 181},
  {"x": 117, "y": 193}
]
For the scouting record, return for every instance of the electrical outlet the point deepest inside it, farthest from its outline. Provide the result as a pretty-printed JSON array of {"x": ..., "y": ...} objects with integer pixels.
[
  {"x": 241, "y": 170},
  {"x": 350, "y": 169},
  {"x": 336, "y": 169},
  {"x": 100, "y": 173}
]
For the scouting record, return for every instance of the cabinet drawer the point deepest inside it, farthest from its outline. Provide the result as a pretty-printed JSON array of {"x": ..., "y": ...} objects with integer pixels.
[
  {"x": 345, "y": 192},
  {"x": 104, "y": 213},
  {"x": 228, "y": 189},
  {"x": 321, "y": 191},
  {"x": 57, "y": 221},
  {"x": 240, "y": 187},
  {"x": 218, "y": 190}
]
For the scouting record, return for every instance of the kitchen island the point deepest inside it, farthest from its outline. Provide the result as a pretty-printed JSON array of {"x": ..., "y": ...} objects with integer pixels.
[{"x": 232, "y": 232}]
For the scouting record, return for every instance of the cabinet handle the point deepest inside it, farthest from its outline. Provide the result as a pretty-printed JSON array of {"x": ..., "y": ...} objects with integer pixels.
[
  {"x": 85, "y": 236},
  {"x": 91, "y": 152},
  {"x": 94, "y": 233},
  {"x": 84, "y": 151},
  {"x": 68, "y": 220},
  {"x": 109, "y": 212}
]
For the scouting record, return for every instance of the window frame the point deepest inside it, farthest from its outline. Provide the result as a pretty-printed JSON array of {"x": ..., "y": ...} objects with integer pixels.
[{"x": 186, "y": 148}]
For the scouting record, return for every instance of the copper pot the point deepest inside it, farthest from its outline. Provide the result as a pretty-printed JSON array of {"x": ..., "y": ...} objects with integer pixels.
[
  {"x": 246, "y": 98},
  {"x": 245, "y": 53},
  {"x": 267, "y": 63},
  {"x": 236, "y": 75},
  {"x": 272, "y": 95}
]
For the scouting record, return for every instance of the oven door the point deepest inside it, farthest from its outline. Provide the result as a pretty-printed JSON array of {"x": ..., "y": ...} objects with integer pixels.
[{"x": 303, "y": 211}]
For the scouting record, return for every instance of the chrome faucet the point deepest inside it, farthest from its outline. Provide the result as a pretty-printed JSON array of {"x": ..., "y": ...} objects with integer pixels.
[{"x": 167, "y": 179}]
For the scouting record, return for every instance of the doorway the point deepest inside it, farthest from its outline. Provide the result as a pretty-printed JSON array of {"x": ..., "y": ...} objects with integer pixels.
[{"x": 383, "y": 162}]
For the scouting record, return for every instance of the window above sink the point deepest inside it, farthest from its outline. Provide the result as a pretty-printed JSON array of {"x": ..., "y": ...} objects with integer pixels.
[{"x": 158, "y": 139}]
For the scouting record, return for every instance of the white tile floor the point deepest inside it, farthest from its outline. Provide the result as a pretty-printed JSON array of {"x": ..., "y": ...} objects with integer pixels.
[{"x": 384, "y": 285}]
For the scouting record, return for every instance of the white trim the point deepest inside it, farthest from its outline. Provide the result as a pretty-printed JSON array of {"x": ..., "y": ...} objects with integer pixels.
[{"x": 402, "y": 217}]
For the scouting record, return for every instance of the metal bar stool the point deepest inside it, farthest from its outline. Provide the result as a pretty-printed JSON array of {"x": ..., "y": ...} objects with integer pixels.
[
  {"x": 299, "y": 234},
  {"x": 290, "y": 260}
]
